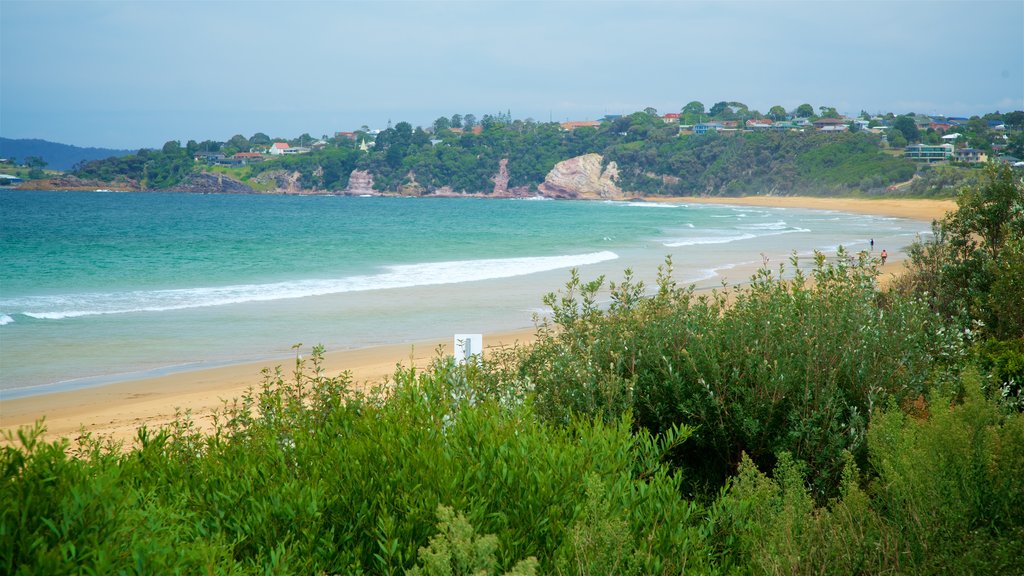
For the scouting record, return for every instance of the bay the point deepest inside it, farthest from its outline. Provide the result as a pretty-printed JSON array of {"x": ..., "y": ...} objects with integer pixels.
[{"x": 97, "y": 287}]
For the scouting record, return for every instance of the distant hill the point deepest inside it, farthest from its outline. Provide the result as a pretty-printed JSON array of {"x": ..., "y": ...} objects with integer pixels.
[{"x": 57, "y": 156}]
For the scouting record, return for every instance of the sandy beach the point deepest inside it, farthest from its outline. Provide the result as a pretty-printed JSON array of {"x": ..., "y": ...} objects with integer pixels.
[{"x": 118, "y": 410}]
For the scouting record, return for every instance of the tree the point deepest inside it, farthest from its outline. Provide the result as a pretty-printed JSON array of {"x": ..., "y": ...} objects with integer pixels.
[
  {"x": 650, "y": 111},
  {"x": 907, "y": 127},
  {"x": 456, "y": 121},
  {"x": 35, "y": 162},
  {"x": 692, "y": 113},
  {"x": 468, "y": 122},
  {"x": 441, "y": 124},
  {"x": 238, "y": 143},
  {"x": 260, "y": 139},
  {"x": 777, "y": 113},
  {"x": 970, "y": 268},
  {"x": 1014, "y": 120},
  {"x": 720, "y": 108},
  {"x": 172, "y": 148},
  {"x": 804, "y": 111},
  {"x": 896, "y": 139},
  {"x": 693, "y": 107},
  {"x": 827, "y": 112}
]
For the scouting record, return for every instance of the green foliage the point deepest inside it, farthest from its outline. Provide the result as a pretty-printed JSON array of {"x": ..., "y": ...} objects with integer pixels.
[
  {"x": 906, "y": 126},
  {"x": 150, "y": 169},
  {"x": 456, "y": 550},
  {"x": 307, "y": 475},
  {"x": 758, "y": 163},
  {"x": 784, "y": 367},
  {"x": 943, "y": 494},
  {"x": 971, "y": 268}
]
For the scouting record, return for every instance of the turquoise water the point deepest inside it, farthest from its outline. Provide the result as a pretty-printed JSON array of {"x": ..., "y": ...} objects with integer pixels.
[{"x": 104, "y": 286}]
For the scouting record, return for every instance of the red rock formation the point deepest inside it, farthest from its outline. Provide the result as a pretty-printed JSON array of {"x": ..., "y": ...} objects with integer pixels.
[{"x": 360, "y": 182}]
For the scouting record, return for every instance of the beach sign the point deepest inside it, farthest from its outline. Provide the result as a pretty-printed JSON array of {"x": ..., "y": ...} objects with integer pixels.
[{"x": 468, "y": 346}]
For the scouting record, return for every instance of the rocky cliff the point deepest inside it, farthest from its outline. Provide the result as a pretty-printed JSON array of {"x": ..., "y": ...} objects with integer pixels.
[
  {"x": 360, "y": 182},
  {"x": 205, "y": 182},
  {"x": 582, "y": 177}
]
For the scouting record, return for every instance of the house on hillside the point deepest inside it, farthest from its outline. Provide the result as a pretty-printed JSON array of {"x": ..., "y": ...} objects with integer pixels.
[
  {"x": 759, "y": 124},
  {"x": 929, "y": 153},
  {"x": 209, "y": 157},
  {"x": 971, "y": 156},
  {"x": 830, "y": 124},
  {"x": 244, "y": 158},
  {"x": 670, "y": 118},
  {"x": 570, "y": 126},
  {"x": 283, "y": 148},
  {"x": 705, "y": 127}
]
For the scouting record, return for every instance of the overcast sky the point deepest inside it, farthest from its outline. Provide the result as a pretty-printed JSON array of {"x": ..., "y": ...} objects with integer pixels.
[{"x": 137, "y": 74}]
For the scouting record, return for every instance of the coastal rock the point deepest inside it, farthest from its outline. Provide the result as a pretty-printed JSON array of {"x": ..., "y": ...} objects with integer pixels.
[
  {"x": 501, "y": 179},
  {"x": 284, "y": 182},
  {"x": 582, "y": 177},
  {"x": 360, "y": 182},
  {"x": 411, "y": 187},
  {"x": 209, "y": 183},
  {"x": 69, "y": 182}
]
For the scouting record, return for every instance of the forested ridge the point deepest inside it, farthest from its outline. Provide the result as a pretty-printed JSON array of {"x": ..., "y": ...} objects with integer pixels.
[{"x": 653, "y": 159}]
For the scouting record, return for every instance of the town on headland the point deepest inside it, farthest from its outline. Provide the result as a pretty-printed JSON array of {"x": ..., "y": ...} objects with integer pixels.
[{"x": 726, "y": 150}]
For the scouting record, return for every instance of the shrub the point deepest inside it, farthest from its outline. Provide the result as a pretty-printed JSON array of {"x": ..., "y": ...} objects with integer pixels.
[
  {"x": 942, "y": 494},
  {"x": 789, "y": 365}
]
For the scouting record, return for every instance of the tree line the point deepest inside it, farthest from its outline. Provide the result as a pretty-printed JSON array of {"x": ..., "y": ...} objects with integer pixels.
[{"x": 652, "y": 156}]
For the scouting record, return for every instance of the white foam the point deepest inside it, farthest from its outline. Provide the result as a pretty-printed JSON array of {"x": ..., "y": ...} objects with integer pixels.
[
  {"x": 727, "y": 239},
  {"x": 778, "y": 225},
  {"x": 645, "y": 204},
  {"x": 401, "y": 276},
  {"x": 5, "y": 319},
  {"x": 708, "y": 240}
]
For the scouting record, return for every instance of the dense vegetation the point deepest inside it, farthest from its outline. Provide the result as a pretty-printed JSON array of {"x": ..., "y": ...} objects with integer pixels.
[
  {"x": 652, "y": 157},
  {"x": 793, "y": 426}
]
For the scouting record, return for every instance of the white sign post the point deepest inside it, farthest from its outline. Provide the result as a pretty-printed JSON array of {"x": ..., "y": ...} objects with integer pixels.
[{"x": 468, "y": 346}]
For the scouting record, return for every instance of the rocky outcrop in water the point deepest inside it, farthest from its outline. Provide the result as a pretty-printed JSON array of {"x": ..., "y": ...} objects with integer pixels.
[
  {"x": 360, "y": 182},
  {"x": 209, "y": 183},
  {"x": 582, "y": 177}
]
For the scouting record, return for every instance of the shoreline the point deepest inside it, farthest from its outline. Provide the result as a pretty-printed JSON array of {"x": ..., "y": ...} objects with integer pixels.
[{"x": 116, "y": 410}]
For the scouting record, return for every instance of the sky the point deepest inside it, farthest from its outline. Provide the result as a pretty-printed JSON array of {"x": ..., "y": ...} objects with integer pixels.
[{"x": 137, "y": 74}]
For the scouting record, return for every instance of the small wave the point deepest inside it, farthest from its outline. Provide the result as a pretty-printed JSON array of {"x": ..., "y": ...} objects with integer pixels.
[
  {"x": 647, "y": 204},
  {"x": 779, "y": 225},
  {"x": 5, "y": 319},
  {"x": 708, "y": 240},
  {"x": 400, "y": 276},
  {"x": 727, "y": 239}
]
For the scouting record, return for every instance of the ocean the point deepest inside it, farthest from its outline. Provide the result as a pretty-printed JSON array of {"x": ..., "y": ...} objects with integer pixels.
[{"x": 101, "y": 287}]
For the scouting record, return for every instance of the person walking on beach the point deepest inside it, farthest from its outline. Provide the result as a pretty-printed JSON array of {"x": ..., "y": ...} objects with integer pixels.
[
  {"x": 884, "y": 255},
  {"x": 872, "y": 244}
]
